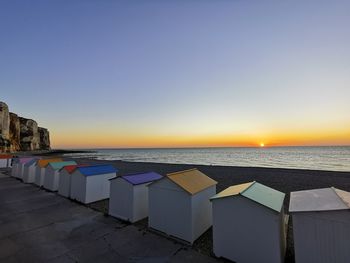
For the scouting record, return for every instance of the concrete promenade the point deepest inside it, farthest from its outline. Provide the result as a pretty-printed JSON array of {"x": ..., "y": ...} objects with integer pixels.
[{"x": 39, "y": 226}]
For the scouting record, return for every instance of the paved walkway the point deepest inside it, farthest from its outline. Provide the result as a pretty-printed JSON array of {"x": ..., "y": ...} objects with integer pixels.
[{"x": 39, "y": 226}]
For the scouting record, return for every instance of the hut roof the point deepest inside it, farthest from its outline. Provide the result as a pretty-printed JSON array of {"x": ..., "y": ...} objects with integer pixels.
[
  {"x": 97, "y": 169},
  {"x": 59, "y": 165},
  {"x": 141, "y": 178},
  {"x": 256, "y": 192},
  {"x": 43, "y": 163},
  {"x": 24, "y": 160},
  {"x": 71, "y": 168},
  {"x": 32, "y": 161},
  {"x": 324, "y": 199},
  {"x": 6, "y": 156},
  {"x": 192, "y": 180}
]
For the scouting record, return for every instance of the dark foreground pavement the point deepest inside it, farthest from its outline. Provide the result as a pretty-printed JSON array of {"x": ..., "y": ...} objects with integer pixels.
[{"x": 39, "y": 226}]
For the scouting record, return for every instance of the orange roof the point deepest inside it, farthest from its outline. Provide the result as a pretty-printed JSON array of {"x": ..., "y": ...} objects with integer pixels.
[
  {"x": 45, "y": 162},
  {"x": 6, "y": 156},
  {"x": 192, "y": 181}
]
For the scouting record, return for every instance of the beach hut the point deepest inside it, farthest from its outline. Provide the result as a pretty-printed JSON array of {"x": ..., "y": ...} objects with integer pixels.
[
  {"x": 15, "y": 165},
  {"x": 5, "y": 160},
  {"x": 29, "y": 171},
  {"x": 64, "y": 184},
  {"x": 91, "y": 183},
  {"x": 20, "y": 166},
  {"x": 249, "y": 224},
  {"x": 321, "y": 225},
  {"x": 129, "y": 196},
  {"x": 179, "y": 204},
  {"x": 40, "y": 169},
  {"x": 52, "y": 174}
]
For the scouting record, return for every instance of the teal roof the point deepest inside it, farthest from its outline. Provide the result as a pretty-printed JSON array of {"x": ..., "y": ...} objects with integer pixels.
[
  {"x": 256, "y": 192},
  {"x": 265, "y": 196},
  {"x": 59, "y": 165}
]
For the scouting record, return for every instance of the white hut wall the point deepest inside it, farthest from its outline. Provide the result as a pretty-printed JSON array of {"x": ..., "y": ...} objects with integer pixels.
[
  {"x": 64, "y": 183},
  {"x": 20, "y": 168},
  {"x": 49, "y": 177},
  {"x": 31, "y": 176},
  {"x": 140, "y": 201},
  {"x": 39, "y": 175},
  {"x": 27, "y": 174},
  {"x": 202, "y": 211},
  {"x": 97, "y": 187},
  {"x": 322, "y": 236},
  {"x": 121, "y": 199},
  {"x": 78, "y": 187},
  {"x": 245, "y": 231},
  {"x": 170, "y": 209},
  {"x": 14, "y": 169},
  {"x": 3, "y": 163}
]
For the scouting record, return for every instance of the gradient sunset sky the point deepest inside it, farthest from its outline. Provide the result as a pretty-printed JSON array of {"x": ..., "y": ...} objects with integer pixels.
[{"x": 179, "y": 73}]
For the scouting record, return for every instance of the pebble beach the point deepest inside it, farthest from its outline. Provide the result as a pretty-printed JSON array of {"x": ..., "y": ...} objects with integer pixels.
[{"x": 284, "y": 180}]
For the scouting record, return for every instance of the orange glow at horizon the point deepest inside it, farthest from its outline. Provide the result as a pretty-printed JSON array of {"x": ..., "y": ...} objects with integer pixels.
[{"x": 149, "y": 140}]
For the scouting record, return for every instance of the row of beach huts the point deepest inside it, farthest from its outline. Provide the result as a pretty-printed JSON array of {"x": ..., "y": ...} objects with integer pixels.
[{"x": 248, "y": 220}]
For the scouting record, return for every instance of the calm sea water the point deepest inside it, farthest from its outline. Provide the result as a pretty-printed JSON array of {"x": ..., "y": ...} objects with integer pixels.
[{"x": 317, "y": 158}]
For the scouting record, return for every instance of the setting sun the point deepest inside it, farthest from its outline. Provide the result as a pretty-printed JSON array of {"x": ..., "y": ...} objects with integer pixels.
[{"x": 262, "y": 145}]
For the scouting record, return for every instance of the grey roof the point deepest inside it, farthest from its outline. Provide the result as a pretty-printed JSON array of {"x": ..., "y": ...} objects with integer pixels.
[{"x": 325, "y": 199}]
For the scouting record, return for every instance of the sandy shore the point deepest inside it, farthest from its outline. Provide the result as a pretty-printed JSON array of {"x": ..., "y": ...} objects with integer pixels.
[{"x": 284, "y": 180}]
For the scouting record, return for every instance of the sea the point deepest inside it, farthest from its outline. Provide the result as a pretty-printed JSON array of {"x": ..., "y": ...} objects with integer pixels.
[{"x": 332, "y": 158}]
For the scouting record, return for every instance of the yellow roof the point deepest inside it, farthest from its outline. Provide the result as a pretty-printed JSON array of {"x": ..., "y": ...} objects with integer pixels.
[
  {"x": 45, "y": 162},
  {"x": 192, "y": 181},
  {"x": 233, "y": 190}
]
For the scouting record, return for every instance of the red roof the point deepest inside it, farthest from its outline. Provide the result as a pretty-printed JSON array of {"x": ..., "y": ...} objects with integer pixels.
[
  {"x": 71, "y": 168},
  {"x": 6, "y": 156}
]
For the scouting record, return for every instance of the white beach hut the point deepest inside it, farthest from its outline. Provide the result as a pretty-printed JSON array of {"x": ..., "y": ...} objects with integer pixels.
[
  {"x": 20, "y": 166},
  {"x": 15, "y": 165},
  {"x": 249, "y": 224},
  {"x": 5, "y": 160},
  {"x": 91, "y": 183},
  {"x": 129, "y": 196},
  {"x": 179, "y": 204},
  {"x": 29, "y": 171},
  {"x": 321, "y": 225},
  {"x": 52, "y": 174},
  {"x": 40, "y": 169},
  {"x": 64, "y": 184}
]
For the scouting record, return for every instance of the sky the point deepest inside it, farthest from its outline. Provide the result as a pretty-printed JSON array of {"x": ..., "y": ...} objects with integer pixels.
[{"x": 193, "y": 73}]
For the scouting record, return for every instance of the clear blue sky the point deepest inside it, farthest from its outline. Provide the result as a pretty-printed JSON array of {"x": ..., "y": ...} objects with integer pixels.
[{"x": 124, "y": 73}]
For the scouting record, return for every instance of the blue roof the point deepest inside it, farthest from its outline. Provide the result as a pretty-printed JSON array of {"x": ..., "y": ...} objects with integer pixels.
[
  {"x": 31, "y": 162},
  {"x": 142, "y": 178},
  {"x": 97, "y": 169}
]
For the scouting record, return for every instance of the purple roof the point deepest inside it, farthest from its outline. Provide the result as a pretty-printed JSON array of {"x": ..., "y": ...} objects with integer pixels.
[
  {"x": 142, "y": 178},
  {"x": 25, "y": 160}
]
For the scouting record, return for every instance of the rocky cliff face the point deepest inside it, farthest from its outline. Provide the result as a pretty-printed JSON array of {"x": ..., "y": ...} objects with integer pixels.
[
  {"x": 29, "y": 135},
  {"x": 15, "y": 132},
  {"x": 21, "y": 134},
  {"x": 4, "y": 126},
  {"x": 44, "y": 139}
]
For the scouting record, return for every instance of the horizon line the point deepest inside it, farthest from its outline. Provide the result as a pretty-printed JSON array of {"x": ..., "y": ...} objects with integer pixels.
[{"x": 194, "y": 147}]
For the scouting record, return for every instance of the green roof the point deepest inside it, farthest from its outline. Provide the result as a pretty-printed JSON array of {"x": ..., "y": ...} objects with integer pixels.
[
  {"x": 256, "y": 192},
  {"x": 266, "y": 196},
  {"x": 59, "y": 165}
]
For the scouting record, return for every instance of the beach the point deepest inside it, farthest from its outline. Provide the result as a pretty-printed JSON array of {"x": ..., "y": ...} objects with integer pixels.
[{"x": 284, "y": 180}]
